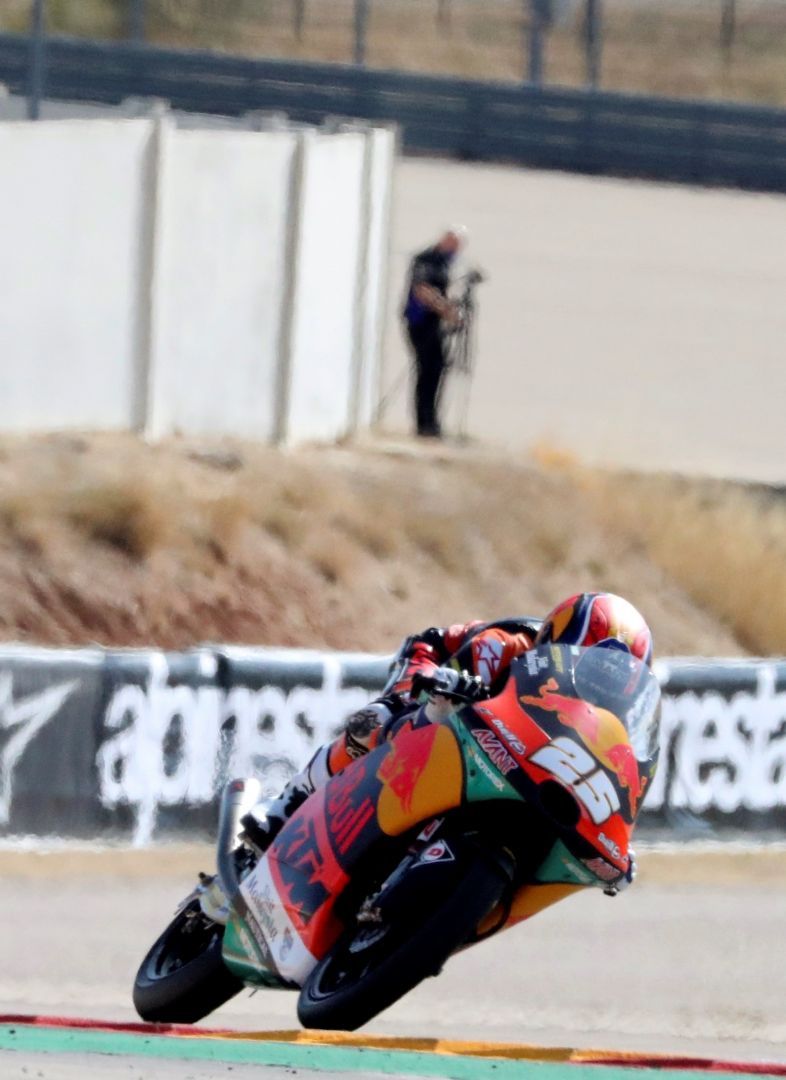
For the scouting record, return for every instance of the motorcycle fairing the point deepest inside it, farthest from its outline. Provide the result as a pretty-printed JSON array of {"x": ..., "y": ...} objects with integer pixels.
[
  {"x": 276, "y": 953},
  {"x": 487, "y": 774},
  {"x": 438, "y": 772},
  {"x": 290, "y": 895},
  {"x": 528, "y": 900},
  {"x": 538, "y": 728},
  {"x": 246, "y": 951},
  {"x": 539, "y": 734},
  {"x": 562, "y": 867}
]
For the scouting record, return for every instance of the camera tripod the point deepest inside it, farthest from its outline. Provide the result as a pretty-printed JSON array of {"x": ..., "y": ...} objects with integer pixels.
[
  {"x": 459, "y": 348},
  {"x": 460, "y": 351}
]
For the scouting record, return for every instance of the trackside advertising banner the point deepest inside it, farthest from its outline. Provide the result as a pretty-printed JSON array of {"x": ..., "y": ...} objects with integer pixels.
[{"x": 136, "y": 745}]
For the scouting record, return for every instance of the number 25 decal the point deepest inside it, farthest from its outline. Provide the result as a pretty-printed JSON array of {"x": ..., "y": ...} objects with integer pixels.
[{"x": 572, "y": 764}]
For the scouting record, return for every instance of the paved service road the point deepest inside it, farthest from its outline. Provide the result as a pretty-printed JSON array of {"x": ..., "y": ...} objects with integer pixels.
[
  {"x": 689, "y": 960},
  {"x": 633, "y": 323}
]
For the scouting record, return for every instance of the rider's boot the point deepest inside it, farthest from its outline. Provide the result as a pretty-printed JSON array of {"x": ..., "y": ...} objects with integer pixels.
[{"x": 263, "y": 824}]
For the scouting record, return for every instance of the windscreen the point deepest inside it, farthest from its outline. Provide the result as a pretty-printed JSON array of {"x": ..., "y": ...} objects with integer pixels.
[
  {"x": 607, "y": 677},
  {"x": 615, "y": 680}
]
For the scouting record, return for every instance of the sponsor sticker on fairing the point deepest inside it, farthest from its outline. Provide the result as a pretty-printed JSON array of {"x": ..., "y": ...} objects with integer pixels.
[
  {"x": 536, "y": 664},
  {"x": 487, "y": 771},
  {"x": 288, "y": 952},
  {"x": 514, "y": 742},
  {"x": 497, "y": 753},
  {"x": 610, "y": 846},
  {"x": 430, "y": 829},
  {"x": 437, "y": 852},
  {"x": 256, "y": 930},
  {"x": 603, "y": 870},
  {"x": 286, "y": 944},
  {"x": 577, "y": 872},
  {"x": 260, "y": 898},
  {"x": 248, "y": 942}
]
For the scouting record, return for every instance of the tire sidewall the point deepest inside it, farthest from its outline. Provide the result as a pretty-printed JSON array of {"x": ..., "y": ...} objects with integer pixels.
[
  {"x": 191, "y": 991},
  {"x": 421, "y": 953}
]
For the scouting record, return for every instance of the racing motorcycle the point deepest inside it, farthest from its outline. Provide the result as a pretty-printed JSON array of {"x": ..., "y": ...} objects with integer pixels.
[{"x": 472, "y": 818}]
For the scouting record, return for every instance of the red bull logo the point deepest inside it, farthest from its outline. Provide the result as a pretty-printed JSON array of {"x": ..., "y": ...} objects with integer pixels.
[
  {"x": 622, "y": 761},
  {"x": 602, "y": 733},
  {"x": 573, "y": 712},
  {"x": 404, "y": 765}
]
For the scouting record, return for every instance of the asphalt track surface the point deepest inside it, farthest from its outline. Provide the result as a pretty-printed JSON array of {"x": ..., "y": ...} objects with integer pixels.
[
  {"x": 632, "y": 323},
  {"x": 690, "y": 961}
]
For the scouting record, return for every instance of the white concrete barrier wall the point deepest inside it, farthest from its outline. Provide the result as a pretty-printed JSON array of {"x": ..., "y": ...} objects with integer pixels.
[
  {"x": 15, "y": 107},
  {"x": 205, "y": 282},
  {"x": 324, "y": 318},
  {"x": 381, "y": 151},
  {"x": 72, "y": 200},
  {"x": 219, "y": 280}
]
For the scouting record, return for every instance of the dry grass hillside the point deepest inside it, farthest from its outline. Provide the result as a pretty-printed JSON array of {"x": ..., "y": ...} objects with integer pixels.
[{"x": 109, "y": 540}]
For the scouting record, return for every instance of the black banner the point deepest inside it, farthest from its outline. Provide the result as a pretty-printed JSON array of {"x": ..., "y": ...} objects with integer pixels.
[
  {"x": 136, "y": 745},
  {"x": 723, "y": 747},
  {"x": 49, "y": 704}
]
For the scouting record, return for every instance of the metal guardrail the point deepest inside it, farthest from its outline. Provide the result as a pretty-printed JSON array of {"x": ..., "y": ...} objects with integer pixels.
[{"x": 581, "y": 131}]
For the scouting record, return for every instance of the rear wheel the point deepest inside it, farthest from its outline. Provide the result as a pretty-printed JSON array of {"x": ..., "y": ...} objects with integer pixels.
[
  {"x": 183, "y": 977},
  {"x": 378, "y": 962}
]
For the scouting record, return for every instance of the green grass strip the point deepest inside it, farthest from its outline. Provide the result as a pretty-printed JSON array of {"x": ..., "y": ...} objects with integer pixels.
[{"x": 325, "y": 1058}]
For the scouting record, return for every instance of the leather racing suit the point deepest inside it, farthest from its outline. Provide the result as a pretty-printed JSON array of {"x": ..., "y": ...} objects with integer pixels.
[{"x": 481, "y": 651}]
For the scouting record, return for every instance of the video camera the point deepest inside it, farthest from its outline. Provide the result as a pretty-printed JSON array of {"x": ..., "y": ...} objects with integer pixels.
[{"x": 474, "y": 277}]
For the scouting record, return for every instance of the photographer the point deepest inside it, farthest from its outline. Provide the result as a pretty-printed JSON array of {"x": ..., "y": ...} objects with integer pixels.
[{"x": 428, "y": 314}]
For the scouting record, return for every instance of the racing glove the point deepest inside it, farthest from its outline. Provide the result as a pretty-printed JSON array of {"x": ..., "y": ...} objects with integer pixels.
[
  {"x": 448, "y": 683},
  {"x": 626, "y": 879}
]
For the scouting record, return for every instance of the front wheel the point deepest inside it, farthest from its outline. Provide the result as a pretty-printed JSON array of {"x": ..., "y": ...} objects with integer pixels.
[
  {"x": 375, "y": 964},
  {"x": 184, "y": 977}
]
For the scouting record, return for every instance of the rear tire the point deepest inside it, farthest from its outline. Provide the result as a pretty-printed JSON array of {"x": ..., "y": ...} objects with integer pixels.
[
  {"x": 343, "y": 994},
  {"x": 184, "y": 977}
]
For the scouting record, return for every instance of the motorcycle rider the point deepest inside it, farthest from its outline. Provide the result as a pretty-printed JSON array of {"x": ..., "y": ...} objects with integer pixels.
[{"x": 466, "y": 662}]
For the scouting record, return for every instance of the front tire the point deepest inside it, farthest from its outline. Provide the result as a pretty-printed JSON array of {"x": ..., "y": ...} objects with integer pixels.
[
  {"x": 184, "y": 977},
  {"x": 371, "y": 968}
]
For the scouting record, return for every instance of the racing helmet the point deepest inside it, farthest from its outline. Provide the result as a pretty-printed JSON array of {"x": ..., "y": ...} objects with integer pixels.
[{"x": 599, "y": 618}]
